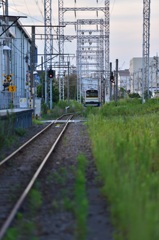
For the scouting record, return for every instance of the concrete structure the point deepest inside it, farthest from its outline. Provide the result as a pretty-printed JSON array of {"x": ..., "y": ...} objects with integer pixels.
[{"x": 15, "y": 118}]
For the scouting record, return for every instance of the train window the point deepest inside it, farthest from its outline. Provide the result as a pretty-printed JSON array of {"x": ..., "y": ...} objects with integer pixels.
[{"x": 91, "y": 93}]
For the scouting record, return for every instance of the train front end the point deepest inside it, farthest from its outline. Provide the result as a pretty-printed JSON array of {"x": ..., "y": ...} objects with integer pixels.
[{"x": 91, "y": 98}]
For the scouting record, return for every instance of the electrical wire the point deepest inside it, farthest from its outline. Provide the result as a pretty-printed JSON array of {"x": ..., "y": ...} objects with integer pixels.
[
  {"x": 112, "y": 7},
  {"x": 36, "y": 1},
  {"x": 27, "y": 8},
  {"x": 15, "y": 9},
  {"x": 14, "y": 5}
]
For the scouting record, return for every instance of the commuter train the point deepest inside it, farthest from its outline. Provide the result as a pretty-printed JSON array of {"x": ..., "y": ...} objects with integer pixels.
[{"x": 91, "y": 98}]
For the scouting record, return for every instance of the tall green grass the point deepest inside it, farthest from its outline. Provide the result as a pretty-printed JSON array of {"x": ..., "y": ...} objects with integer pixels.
[
  {"x": 130, "y": 107},
  {"x": 127, "y": 158}
]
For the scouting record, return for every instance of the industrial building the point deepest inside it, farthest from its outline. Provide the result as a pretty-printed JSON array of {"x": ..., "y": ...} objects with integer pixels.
[{"x": 15, "y": 45}]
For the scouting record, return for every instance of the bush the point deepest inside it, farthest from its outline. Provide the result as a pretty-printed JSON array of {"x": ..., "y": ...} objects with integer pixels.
[{"x": 134, "y": 95}]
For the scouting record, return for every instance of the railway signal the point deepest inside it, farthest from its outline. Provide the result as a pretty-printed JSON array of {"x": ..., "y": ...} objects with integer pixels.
[
  {"x": 112, "y": 77},
  {"x": 51, "y": 73},
  {"x": 7, "y": 81}
]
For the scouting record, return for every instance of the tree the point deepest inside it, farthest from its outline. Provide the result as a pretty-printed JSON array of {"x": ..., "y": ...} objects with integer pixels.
[
  {"x": 55, "y": 90},
  {"x": 72, "y": 86}
]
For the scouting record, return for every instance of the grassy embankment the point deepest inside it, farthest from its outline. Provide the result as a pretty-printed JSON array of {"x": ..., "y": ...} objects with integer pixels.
[{"x": 125, "y": 142}]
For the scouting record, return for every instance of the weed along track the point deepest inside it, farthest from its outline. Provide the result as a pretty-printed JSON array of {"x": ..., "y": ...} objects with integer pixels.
[{"x": 64, "y": 201}]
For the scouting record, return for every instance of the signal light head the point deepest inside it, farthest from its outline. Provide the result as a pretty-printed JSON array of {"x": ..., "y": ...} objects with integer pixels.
[
  {"x": 112, "y": 77},
  {"x": 51, "y": 73}
]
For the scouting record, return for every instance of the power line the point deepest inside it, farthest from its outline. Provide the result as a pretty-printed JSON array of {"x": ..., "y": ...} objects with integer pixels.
[
  {"x": 36, "y": 1},
  {"x": 112, "y": 7}
]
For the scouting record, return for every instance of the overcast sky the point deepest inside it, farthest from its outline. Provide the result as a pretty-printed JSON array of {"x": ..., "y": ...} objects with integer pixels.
[{"x": 126, "y": 24}]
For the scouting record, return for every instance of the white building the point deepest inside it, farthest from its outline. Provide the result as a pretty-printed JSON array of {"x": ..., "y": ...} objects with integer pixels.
[
  {"x": 136, "y": 75},
  {"x": 14, "y": 61},
  {"x": 124, "y": 79}
]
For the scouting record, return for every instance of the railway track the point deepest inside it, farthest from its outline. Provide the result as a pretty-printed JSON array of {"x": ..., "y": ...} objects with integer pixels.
[{"x": 19, "y": 171}]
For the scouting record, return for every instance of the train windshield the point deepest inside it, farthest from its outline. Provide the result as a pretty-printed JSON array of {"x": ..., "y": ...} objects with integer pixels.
[{"x": 91, "y": 93}]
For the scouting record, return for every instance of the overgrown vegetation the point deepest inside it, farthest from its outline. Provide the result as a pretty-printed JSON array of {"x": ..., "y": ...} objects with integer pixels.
[
  {"x": 76, "y": 203},
  {"x": 125, "y": 144},
  {"x": 7, "y": 132},
  {"x": 81, "y": 202},
  {"x": 61, "y": 108},
  {"x": 35, "y": 200},
  {"x": 20, "y": 131},
  {"x": 129, "y": 107}
]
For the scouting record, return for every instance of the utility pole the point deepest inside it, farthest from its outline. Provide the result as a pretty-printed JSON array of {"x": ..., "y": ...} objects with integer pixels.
[{"x": 146, "y": 48}]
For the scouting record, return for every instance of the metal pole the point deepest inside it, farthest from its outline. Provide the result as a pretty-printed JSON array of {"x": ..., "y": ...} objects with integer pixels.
[
  {"x": 156, "y": 72},
  {"x": 68, "y": 83},
  {"x": 42, "y": 62},
  {"x": 32, "y": 67},
  {"x": 51, "y": 92},
  {"x": 110, "y": 82},
  {"x": 116, "y": 94}
]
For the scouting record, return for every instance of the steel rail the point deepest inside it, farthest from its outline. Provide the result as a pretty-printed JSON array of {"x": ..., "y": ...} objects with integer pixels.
[
  {"x": 29, "y": 186},
  {"x": 30, "y": 140}
]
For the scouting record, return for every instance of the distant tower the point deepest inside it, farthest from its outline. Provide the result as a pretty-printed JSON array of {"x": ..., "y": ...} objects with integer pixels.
[{"x": 146, "y": 47}]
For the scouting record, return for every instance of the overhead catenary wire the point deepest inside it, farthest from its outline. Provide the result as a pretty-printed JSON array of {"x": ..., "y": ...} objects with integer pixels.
[{"x": 36, "y": 1}]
